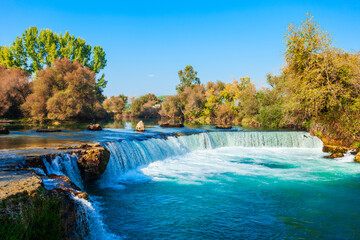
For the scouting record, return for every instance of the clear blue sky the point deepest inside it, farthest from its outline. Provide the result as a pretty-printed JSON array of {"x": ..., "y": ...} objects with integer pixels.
[{"x": 147, "y": 42}]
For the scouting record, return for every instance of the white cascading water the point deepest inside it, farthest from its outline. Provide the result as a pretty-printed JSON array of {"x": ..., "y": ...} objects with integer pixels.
[
  {"x": 250, "y": 139},
  {"x": 131, "y": 154},
  {"x": 90, "y": 224},
  {"x": 199, "y": 141},
  {"x": 65, "y": 164}
]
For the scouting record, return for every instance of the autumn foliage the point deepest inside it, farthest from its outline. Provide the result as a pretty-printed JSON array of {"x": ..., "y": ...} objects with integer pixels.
[
  {"x": 64, "y": 91},
  {"x": 14, "y": 88}
]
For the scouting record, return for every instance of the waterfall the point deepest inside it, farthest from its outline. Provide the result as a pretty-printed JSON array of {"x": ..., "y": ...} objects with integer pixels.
[
  {"x": 65, "y": 164},
  {"x": 265, "y": 139},
  {"x": 199, "y": 141},
  {"x": 131, "y": 154},
  {"x": 90, "y": 224}
]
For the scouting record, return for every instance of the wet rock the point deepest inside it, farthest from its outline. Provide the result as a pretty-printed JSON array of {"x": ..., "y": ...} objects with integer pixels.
[
  {"x": 85, "y": 145},
  {"x": 223, "y": 127},
  {"x": 175, "y": 125},
  {"x": 357, "y": 157},
  {"x": 34, "y": 162},
  {"x": 335, "y": 155},
  {"x": 4, "y": 130},
  {"x": 335, "y": 149},
  {"x": 94, "y": 127},
  {"x": 64, "y": 183},
  {"x": 140, "y": 127},
  {"x": 355, "y": 151},
  {"x": 92, "y": 162},
  {"x": 46, "y": 130}
]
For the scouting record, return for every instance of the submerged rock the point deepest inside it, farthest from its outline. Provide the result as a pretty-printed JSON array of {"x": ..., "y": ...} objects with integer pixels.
[
  {"x": 64, "y": 183},
  {"x": 92, "y": 162},
  {"x": 4, "y": 130},
  {"x": 335, "y": 155},
  {"x": 94, "y": 127},
  {"x": 175, "y": 125},
  {"x": 223, "y": 127},
  {"x": 48, "y": 130},
  {"x": 140, "y": 127}
]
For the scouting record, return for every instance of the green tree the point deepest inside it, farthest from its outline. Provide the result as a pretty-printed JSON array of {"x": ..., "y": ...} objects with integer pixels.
[
  {"x": 188, "y": 77},
  {"x": 322, "y": 82},
  {"x": 35, "y": 49}
]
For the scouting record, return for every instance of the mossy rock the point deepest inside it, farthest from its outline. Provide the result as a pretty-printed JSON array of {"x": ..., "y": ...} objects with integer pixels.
[
  {"x": 335, "y": 149},
  {"x": 357, "y": 157}
]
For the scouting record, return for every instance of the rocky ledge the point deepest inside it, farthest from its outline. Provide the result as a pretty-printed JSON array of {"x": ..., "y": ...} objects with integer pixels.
[
  {"x": 30, "y": 211},
  {"x": 93, "y": 160},
  {"x": 336, "y": 151},
  {"x": 36, "y": 205}
]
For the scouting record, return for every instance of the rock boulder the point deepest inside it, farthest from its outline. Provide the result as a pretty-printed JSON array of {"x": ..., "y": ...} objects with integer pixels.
[
  {"x": 4, "y": 130},
  {"x": 92, "y": 162},
  {"x": 357, "y": 157},
  {"x": 223, "y": 127},
  {"x": 140, "y": 127},
  {"x": 48, "y": 130},
  {"x": 175, "y": 125},
  {"x": 94, "y": 127},
  {"x": 335, "y": 149}
]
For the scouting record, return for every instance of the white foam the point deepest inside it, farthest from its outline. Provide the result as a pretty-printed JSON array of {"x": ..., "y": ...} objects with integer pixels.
[
  {"x": 91, "y": 220},
  {"x": 272, "y": 163}
]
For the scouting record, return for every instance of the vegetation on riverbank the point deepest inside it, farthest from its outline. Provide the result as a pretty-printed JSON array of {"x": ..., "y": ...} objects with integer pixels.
[{"x": 317, "y": 89}]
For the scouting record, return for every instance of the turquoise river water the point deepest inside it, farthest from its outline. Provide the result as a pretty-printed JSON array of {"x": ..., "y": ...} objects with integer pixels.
[
  {"x": 219, "y": 185},
  {"x": 229, "y": 185}
]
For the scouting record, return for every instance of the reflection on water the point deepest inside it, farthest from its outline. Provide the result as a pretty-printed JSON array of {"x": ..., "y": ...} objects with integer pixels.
[{"x": 25, "y": 136}]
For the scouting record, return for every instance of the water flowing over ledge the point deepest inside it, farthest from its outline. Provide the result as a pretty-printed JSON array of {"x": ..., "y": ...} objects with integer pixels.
[
  {"x": 89, "y": 223},
  {"x": 130, "y": 154}
]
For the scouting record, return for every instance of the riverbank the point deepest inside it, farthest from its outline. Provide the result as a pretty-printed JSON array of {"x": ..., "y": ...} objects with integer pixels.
[{"x": 36, "y": 203}]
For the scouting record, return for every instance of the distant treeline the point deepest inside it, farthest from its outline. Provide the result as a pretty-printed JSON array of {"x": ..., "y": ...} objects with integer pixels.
[{"x": 318, "y": 90}]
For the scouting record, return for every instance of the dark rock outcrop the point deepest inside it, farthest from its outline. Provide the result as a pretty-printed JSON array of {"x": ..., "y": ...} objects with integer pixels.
[
  {"x": 335, "y": 155},
  {"x": 223, "y": 127},
  {"x": 94, "y": 127},
  {"x": 46, "y": 130},
  {"x": 140, "y": 127},
  {"x": 175, "y": 125},
  {"x": 92, "y": 161},
  {"x": 4, "y": 130},
  {"x": 64, "y": 183}
]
